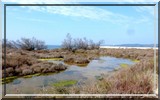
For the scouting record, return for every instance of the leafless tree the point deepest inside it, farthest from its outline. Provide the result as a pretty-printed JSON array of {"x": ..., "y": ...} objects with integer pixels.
[
  {"x": 31, "y": 44},
  {"x": 9, "y": 44},
  {"x": 81, "y": 43},
  {"x": 68, "y": 42},
  {"x": 99, "y": 43},
  {"x": 26, "y": 43},
  {"x": 93, "y": 45},
  {"x": 73, "y": 44},
  {"x": 39, "y": 45}
]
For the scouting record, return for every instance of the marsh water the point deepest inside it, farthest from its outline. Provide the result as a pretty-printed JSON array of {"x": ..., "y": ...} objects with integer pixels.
[{"x": 82, "y": 74}]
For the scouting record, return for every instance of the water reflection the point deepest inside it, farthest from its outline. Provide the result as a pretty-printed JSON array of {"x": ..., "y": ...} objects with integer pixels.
[{"x": 92, "y": 71}]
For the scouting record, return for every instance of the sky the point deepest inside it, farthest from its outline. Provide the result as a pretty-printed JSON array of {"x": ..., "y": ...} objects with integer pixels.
[{"x": 113, "y": 24}]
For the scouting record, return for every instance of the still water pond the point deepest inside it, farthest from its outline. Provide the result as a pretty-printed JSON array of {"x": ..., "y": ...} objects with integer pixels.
[{"x": 82, "y": 75}]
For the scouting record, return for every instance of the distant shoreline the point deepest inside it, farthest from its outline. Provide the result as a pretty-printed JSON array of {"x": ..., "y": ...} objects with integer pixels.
[
  {"x": 49, "y": 47},
  {"x": 125, "y": 47}
]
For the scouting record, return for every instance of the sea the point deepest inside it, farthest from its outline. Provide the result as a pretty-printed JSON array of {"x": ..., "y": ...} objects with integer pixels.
[
  {"x": 138, "y": 46},
  {"x": 49, "y": 47}
]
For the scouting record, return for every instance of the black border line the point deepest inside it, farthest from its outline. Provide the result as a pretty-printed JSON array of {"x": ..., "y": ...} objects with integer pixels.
[
  {"x": 158, "y": 50},
  {"x": 4, "y": 49},
  {"x": 5, "y": 5}
]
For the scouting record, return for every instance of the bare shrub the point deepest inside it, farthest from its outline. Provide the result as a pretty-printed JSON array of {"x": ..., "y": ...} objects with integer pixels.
[
  {"x": 26, "y": 44},
  {"x": 68, "y": 43},
  {"x": 18, "y": 71},
  {"x": 93, "y": 45},
  {"x": 60, "y": 67},
  {"x": 79, "y": 43},
  {"x": 9, "y": 70},
  {"x": 9, "y": 44},
  {"x": 31, "y": 44},
  {"x": 27, "y": 71},
  {"x": 17, "y": 60}
]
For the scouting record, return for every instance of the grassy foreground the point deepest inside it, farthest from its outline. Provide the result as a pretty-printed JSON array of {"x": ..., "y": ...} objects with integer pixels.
[{"x": 135, "y": 79}]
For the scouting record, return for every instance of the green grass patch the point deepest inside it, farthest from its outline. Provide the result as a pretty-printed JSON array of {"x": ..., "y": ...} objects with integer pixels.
[
  {"x": 136, "y": 61},
  {"x": 55, "y": 59},
  {"x": 50, "y": 73},
  {"x": 29, "y": 76},
  {"x": 8, "y": 79},
  {"x": 82, "y": 65},
  {"x": 124, "y": 65},
  {"x": 65, "y": 83}
]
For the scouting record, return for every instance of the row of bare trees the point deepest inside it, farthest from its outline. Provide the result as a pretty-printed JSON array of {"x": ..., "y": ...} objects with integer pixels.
[
  {"x": 68, "y": 43},
  {"x": 73, "y": 44},
  {"x": 26, "y": 44}
]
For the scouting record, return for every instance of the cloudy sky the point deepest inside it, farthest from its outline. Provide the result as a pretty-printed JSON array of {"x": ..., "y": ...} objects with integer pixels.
[{"x": 113, "y": 24}]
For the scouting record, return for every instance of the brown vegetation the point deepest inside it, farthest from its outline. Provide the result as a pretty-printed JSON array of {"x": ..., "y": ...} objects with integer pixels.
[
  {"x": 76, "y": 59},
  {"x": 79, "y": 43},
  {"x": 25, "y": 44},
  {"x": 20, "y": 63}
]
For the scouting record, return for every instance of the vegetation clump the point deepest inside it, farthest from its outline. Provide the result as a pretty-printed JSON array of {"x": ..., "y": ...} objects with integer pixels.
[
  {"x": 124, "y": 65},
  {"x": 26, "y": 44},
  {"x": 76, "y": 59},
  {"x": 8, "y": 79},
  {"x": 29, "y": 76},
  {"x": 65, "y": 83},
  {"x": 22, "y": 64},
  {"x": 56, "y": 59},
  {"x": 79, "y": 43},
  {"x": 135, "y": 60}
]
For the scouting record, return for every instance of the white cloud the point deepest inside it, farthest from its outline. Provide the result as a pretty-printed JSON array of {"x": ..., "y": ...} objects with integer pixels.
[
  {"x": 147, "y": 14},
  {"x": 33, "y": 20},
  {"x": 146, "y": 9},
  {"x": 90, "y": 12},
  {"x": 93, "y": 13}
]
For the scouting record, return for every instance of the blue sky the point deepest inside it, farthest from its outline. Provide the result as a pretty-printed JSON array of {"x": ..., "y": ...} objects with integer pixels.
[{"x": 114, "y": 25}]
